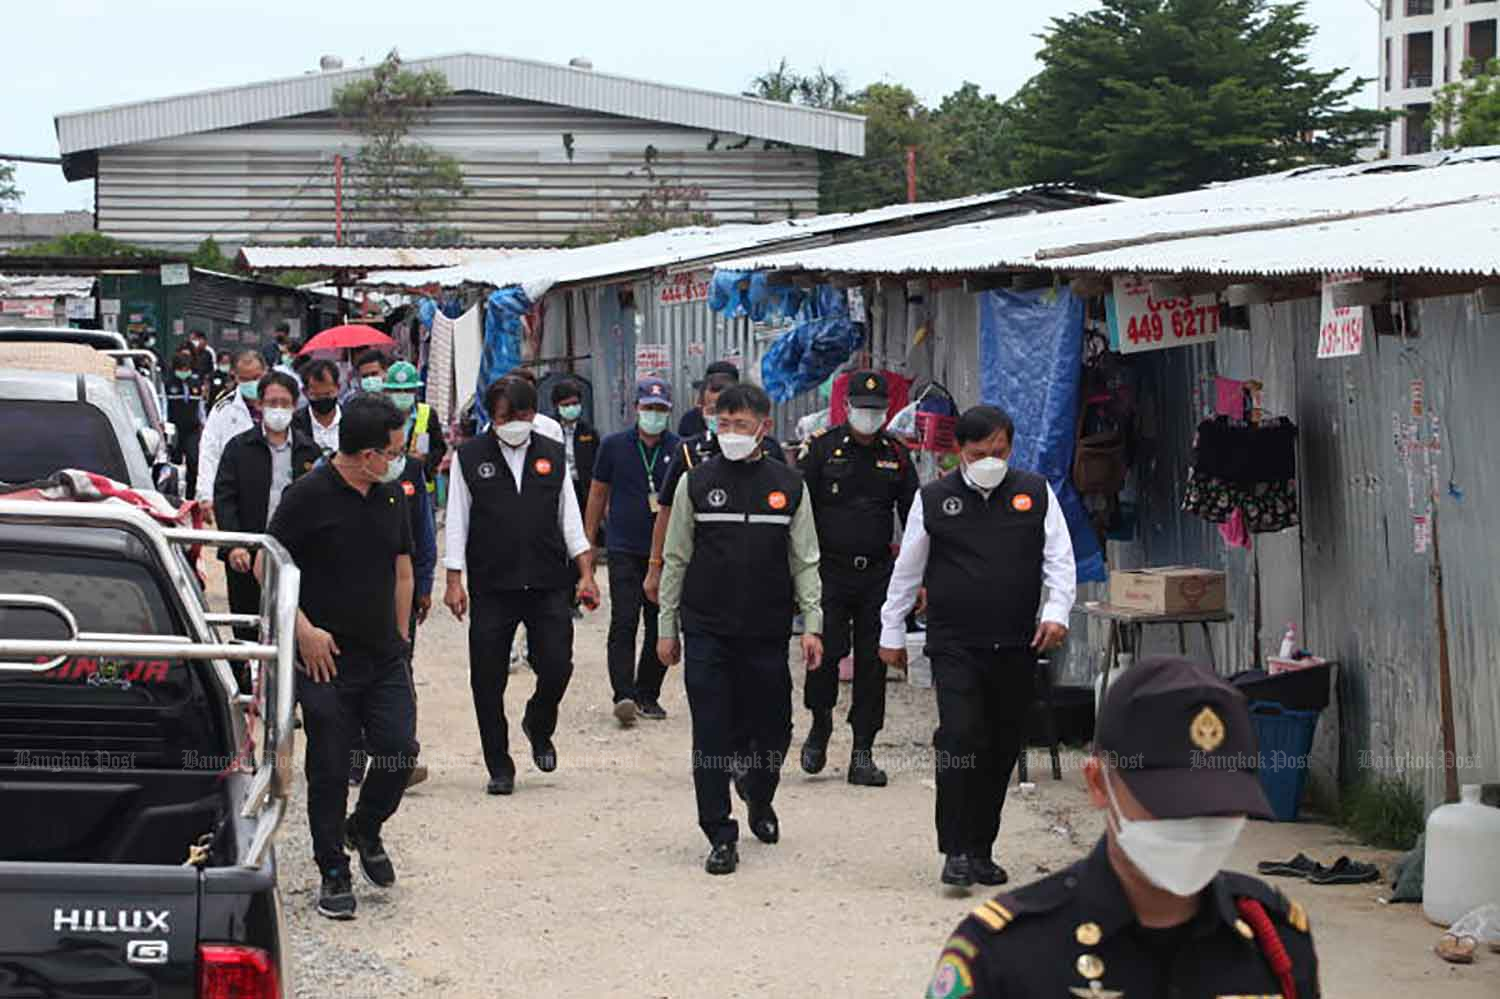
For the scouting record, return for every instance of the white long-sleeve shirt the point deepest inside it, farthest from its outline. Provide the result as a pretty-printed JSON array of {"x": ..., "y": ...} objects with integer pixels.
[
  {"x": 228, "y": 418},
  {"x": 1059, "y": 573},
  {"x": 460, "y": 500},
  {"x": 545, "y": 425}
]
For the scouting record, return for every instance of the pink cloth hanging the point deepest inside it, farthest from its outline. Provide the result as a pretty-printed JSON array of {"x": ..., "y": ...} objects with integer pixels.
[
  {"x": 1229, "y": 398},
  {"x": 1234, "y": 532}
]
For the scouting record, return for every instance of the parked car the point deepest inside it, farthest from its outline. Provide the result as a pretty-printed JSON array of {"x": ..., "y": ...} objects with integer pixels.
[
  {"x": 97, "y": 339},
  {"x": 149, "y": 414},
  {"x": 60, "y": 409},
  {"x": 150, "y": 790}
]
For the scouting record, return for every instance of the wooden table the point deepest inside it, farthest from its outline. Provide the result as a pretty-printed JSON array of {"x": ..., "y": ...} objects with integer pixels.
[{"x": 1122, "y": 619}]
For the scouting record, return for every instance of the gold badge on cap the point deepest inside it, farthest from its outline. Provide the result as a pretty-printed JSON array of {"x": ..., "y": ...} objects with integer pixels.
[
  {"x": 1207, "y": 730},
  {"x": 1090, "y": 966},
  {"x": 871, "y": 383},
  {"x": 1088, "y": 934}
]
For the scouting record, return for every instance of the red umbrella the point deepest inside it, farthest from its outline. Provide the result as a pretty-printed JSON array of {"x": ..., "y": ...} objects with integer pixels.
[{"x": 346, "y": 337}]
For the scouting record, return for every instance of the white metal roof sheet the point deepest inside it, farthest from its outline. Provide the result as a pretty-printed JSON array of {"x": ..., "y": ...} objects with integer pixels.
[
  {"x": 1310, "y": 220},
  {"x": 45, "y": 285},
  {"x": 523, "y": 79},
  {"x": 368, "y": 257},
  {"x": 536, "y": 273}
]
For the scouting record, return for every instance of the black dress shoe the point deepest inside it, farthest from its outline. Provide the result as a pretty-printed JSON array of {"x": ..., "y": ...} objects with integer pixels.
[
  {"x": 957, "y": 871},
  {"x": 815, "y": 749},
  {"x": 500, "y": 785},
  {"x": 864, "y": 772},
  {"x": 543, "y": 754},
  {"x": 651, "y": 710},
  {"x": 763, "y": 823},
  {"x": 987, "y": 872},
  {"x": 722, "y": 859}
]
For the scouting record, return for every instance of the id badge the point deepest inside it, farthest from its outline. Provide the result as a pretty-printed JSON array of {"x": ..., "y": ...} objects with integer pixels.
[{"x": 653, "y": 503}]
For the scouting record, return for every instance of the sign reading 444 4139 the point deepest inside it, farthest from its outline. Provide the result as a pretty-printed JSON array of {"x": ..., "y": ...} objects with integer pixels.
[{"x": 1143, "y": 322}]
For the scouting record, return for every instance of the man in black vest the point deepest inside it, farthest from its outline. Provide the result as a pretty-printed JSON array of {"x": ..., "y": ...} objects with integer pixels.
[
  {"x": 514, "y": 526},
  {"x": 741, "y": 558},
  {"x": 983, "y": 539}
]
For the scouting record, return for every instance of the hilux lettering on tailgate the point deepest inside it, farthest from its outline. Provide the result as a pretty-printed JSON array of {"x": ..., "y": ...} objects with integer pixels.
[{"x": 110, "y": 920}]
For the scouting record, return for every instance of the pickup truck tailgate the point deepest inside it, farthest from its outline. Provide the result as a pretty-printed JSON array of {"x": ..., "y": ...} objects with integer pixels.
[{"x": 94, "y": 930}]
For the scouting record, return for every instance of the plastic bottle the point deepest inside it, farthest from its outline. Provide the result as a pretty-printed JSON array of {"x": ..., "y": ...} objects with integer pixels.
[
  {"x": 1288, "y": 642},
  {"x": 1461, "y": 867}
]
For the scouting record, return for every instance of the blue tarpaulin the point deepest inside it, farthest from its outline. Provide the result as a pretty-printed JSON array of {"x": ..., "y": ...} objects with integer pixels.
[
  {"x": 1030, "y": 362},
  {"x": 805, "y": 356},
  {"x": 749, "y": 293},
  {"x": 504, "y": 311}
]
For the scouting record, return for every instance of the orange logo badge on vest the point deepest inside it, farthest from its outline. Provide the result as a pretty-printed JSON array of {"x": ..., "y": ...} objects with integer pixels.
[
  {"x": 1021, "y": 503},
  {"x": 408, "y": 488},
  {"x": 776, "y": 501},
  {"x": 542, "y": 466}
]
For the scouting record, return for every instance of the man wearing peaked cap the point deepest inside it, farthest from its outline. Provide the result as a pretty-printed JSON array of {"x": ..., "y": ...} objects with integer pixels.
[{"x": 1149, "y": 912}]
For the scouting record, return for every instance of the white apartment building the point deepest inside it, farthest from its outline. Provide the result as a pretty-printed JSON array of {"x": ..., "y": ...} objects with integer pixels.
[{"x": 1424, "y": 45}]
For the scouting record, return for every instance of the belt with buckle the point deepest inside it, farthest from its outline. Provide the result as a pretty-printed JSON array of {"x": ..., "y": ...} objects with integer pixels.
[{"x": 861, "y": 562}]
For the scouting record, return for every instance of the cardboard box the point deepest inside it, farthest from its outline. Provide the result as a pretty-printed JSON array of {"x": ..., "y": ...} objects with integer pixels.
[{"x": 1168, "y": 589}]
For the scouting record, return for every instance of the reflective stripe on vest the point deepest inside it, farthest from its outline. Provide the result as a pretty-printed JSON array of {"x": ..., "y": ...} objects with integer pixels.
[{"x": 418, "y": 428}]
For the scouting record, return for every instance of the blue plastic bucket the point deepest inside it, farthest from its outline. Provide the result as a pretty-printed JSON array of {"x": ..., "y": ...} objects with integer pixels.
[{"x": 1285, "y": 737}]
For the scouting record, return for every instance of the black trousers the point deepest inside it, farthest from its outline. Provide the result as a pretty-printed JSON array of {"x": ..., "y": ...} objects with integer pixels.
[
  {"x": 372, "y": 695},
  {"x": 632, "y": 678},
  {"x": 983, "y": 697},
  {"x": 494, "y": 618},
  {"x": 358, "y": 758},
  {"x": 851, "y": 619},
  {"x": 244, "y": 598},
  {"x": 739, "y": 692},
  {"x": 187, "y": 453}
]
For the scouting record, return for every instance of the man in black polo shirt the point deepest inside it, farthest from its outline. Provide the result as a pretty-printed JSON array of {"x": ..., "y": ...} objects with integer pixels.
[
  {"x": 514, "y": 527},
  {"x": 346, "y": 525},
  {"x": 983, "y": 539}
]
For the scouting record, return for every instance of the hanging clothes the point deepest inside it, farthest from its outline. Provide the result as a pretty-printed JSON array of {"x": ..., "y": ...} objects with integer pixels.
[{"x": 1247, "y": 468}]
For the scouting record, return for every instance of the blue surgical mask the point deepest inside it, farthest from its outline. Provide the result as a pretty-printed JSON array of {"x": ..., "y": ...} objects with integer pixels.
[
  {"x": 572, "y": 412},
  {"x": 372, "y": 383},
  {"x": 250, "y": 390},
  {"x": 403, "y": 401},
  {"x": 711, "y": 424}
]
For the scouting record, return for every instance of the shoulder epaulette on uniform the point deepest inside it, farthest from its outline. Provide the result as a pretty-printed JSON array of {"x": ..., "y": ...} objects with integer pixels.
[
  {"x": 1277, "y": 904},
  {"x": 1038, "y": 897}
]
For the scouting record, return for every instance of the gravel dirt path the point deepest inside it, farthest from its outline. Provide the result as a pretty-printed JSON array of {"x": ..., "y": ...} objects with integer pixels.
[{"x": 589, "y": 881}]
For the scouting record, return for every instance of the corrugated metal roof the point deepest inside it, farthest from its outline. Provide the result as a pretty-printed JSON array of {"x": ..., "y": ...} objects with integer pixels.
[
  {"x": 537, "y": 273},
  {"x": 45, "y": 286},
  {"x": 298, "y": 258},
  {"x": 548, "y": 83},
  {"x": 1371, "y": 221}
]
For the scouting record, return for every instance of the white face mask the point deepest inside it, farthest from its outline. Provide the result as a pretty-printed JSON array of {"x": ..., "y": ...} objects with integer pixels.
[
  {"x": 276, "y": 420},
  {"x": 738, "y": 447},
  {"x": 987, "y": 473},
  {"x": 1176, "y": 855},
  {"x": 515, "y": 433},
  {"x": 866, "y": 421}
]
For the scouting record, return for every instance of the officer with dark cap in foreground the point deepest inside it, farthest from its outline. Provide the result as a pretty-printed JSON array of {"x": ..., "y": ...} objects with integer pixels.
[
  {"x": 859, "y": 479},
  {"x": 1149, "y": 912}
]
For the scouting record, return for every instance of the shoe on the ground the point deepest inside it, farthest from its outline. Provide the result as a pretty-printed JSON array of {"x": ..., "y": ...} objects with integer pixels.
[
  {"x": 501, "y": 785},
  {"x": 336, "y": 895},
  {"x": 987, "y": 872},
  {"x": 356, "y": 774},
  {"x": 738, "y": 772},
  {"x": 373, "y": 860},
  {"x": 1299, "y": 866},
  {"x": 1344, "y": 872},
  {"x": 815, "y": 749},
  {"x": 418, "y": 775},
  {"x": 864, "y": 772},
  {"x": 957, "y": 871},
  {"x": 722, "y": 859},
  {"x": 764, "y": 824},
  {"x": 543, "y": 754},
  {"x": 625, "y": 712},
  {"x": 651, "y": 709}
]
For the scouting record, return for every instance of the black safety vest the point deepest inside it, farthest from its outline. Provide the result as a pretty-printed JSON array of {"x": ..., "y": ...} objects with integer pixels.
[
  {"x": 739, "y": 582},
  {"x": 984, "y": 568},
  {"x": 515, "y": 541}
]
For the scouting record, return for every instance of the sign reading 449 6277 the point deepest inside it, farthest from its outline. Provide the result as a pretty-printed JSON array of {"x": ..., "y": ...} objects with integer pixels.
[{"x": 1147, "y": 323}]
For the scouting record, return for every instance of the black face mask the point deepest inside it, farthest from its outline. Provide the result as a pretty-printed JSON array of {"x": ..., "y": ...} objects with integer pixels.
[{"x": 322, "y": 406}]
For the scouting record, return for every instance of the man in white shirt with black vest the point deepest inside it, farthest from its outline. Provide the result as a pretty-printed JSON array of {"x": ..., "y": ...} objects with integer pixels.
[
  {"x": 514, "y": 526},
  {"x": 983, "y": 540}
]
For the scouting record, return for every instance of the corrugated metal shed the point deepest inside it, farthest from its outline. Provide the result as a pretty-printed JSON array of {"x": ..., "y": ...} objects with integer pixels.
[
  {"x": 46, "y": 286},
  {"x": 364, "y": 258},
  {"x": 695, "y": 245},
  {"x": 523, "y": 79},
  {"x": 1305, "y": 224}
]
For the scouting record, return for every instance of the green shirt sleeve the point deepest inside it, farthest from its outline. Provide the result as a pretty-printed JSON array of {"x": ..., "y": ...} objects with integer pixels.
[
  {"x": 676, "y": 553},
  {"x": 803, "y": 556}
]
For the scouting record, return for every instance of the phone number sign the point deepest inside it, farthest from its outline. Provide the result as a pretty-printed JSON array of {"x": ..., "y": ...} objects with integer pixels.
[{"x": 1145, "y": 323}]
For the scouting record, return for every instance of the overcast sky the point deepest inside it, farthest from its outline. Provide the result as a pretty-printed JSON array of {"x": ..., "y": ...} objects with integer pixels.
[{"x": 71, "y": 55}]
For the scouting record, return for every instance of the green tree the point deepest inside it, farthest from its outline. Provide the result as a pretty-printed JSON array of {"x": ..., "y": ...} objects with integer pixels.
[
  {"x": 975, "y": 133},
  {"x": 402, "y": 189},
  {"x": 10, "y": 194},
  {"x": 89, "y": 244},
  {"x": 1470, "y": 109},
  {"x": 1151, "y": 96},
  {"x": 209, "y": 257}
]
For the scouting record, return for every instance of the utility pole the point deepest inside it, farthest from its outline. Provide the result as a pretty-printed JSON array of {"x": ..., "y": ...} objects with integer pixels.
[{"x": 911, "y": 175}]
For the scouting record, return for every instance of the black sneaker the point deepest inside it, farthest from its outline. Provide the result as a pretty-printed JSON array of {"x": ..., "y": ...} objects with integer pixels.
[
  {"x": 764, "y": 824},
  {"x": 987, "y": 872},
  {"x": 377, "y": 867},
  {"x": 651, "y": 709},
  {"x": 336, "y": 895},
  {"x": 863, "y": 771},
  {"x": 957, "y": 871},
  {"x": 543, "y": 754},
  {"x": 722, "y": 859},
  {"x": 504, "y": 784}
]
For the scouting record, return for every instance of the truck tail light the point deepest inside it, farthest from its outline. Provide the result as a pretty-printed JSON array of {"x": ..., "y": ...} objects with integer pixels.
[{"x": 226, "y": 971}]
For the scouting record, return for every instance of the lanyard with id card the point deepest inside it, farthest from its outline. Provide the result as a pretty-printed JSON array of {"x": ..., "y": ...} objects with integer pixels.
[{"x": 653, "y": 503}]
